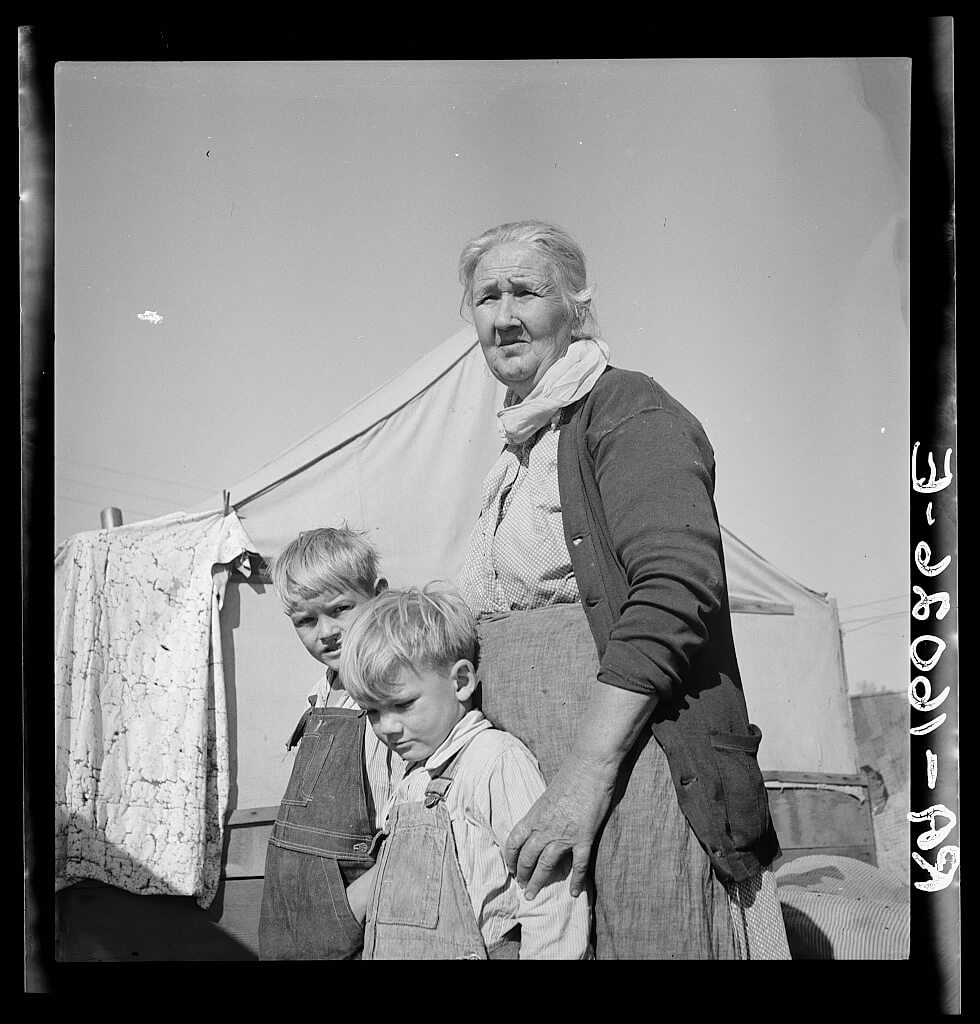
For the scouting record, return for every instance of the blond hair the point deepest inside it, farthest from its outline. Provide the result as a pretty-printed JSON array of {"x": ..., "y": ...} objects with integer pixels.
[
  {"x": 325, "y": 560},
  {"x": 419, "y": 628}
]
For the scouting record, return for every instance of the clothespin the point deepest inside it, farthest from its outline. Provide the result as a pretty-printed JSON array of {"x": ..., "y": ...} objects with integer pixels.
[{"x": 227, "y": 497}]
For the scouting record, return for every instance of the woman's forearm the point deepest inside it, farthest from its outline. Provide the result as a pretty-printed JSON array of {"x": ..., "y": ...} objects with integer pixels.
[{"x": 611, "y": 725}]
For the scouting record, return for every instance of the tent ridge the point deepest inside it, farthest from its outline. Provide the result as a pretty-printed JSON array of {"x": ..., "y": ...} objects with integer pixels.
[
  {"x": 359, "y": 433},
  {"x": 821, "y": 594}
]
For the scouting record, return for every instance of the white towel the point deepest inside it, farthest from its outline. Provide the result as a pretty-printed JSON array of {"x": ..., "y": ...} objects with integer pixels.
[{"x": 141, "y": 776}]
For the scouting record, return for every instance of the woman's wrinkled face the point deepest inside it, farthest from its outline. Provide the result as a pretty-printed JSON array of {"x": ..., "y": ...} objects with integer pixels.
[{"x": 522, "y": 323}]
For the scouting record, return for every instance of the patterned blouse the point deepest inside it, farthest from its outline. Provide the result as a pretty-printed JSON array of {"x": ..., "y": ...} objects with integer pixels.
[{"x": 517, "y": 558}]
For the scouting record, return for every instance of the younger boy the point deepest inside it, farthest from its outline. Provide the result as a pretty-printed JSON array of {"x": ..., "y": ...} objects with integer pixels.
[
  {"x": 441, "y": 888},
  {"x": 342, "y": 775}
]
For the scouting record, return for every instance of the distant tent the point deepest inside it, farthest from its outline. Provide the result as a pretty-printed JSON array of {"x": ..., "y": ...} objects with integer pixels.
[
  {"x": 792, "y": 662},
  {"x": 406, "y": 463}
]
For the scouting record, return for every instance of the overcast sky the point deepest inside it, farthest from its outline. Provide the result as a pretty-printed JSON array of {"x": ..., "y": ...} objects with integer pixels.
[{"x": 295, "y": 227}]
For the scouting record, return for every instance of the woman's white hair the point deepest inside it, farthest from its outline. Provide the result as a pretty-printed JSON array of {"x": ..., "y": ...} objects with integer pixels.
[
  {"x": 565, "y": 258},
  {"x": 427, "y": 628}
]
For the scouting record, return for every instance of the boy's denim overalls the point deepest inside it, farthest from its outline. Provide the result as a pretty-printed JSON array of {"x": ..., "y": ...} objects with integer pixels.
[
  {"x": 321, "y": 842},
  {"x": 419, "y": 907}
]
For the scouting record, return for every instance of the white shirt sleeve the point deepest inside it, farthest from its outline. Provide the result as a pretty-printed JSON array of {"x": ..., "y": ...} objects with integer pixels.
[{"x": 554, "y": 925}]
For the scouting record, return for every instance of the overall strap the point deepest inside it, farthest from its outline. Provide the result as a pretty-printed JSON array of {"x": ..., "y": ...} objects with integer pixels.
[
  {"x": 297, "y": 734},
  {"x": 439, "y": 784},
  {"x": 303, "y": 724}
]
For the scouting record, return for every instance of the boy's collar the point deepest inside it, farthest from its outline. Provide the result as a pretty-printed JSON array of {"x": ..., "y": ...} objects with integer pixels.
[{"x": 459, "y": 736}]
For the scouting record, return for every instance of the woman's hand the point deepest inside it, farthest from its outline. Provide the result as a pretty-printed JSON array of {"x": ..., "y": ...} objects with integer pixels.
[
  {"x": 570, "y": 812},
  {"x": 567, "y": 817},
  {"x": 359, "y": 893}
]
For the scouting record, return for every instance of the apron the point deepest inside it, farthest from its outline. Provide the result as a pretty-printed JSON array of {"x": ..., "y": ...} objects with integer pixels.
[
  {"x": 419, "y": 908},
  {"x": 656, "y": 897},
  {"x": 320, "y": 842}
]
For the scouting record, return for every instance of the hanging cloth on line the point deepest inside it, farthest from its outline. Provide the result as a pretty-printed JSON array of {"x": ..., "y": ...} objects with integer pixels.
[{"x": 141, "y": 772}]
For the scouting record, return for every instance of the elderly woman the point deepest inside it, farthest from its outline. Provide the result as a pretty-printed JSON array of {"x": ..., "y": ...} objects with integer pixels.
[{"x": 598, "y": 524}]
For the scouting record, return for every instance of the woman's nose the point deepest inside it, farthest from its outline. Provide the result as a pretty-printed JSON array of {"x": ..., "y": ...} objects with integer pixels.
[{"x": 505, "y": 311}]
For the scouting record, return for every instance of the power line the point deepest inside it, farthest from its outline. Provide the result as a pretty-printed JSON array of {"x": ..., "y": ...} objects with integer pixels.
[
  {"x": 118, "y": 490},
  {"x": 141, "y": 476},
  {"x": 872, "y": 618},
  {"x": 857, "y": 629},
  {"x": 869, "y": 618},
  {"x": 880, "y": 600},
  {"x": 102, "y": 504},
  {"x": 870, "y": 622}
]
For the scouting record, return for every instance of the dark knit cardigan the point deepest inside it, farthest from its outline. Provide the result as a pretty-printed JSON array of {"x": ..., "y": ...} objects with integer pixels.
[{"x": 636, "y": 480}]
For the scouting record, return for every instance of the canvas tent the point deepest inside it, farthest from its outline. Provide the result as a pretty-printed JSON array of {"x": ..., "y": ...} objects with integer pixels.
[{"x": 406, "y": 464}]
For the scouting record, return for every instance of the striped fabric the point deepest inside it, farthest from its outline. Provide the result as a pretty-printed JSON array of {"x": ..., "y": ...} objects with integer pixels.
[
  {"x": 384, "y": 767},
  {"x": 757, "y": 918},
  {"x": 839, "y": 908},
  {"x": 497, "y": 780}
]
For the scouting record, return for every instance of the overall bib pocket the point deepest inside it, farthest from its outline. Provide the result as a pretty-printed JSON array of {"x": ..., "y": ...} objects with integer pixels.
[
  {"x": 311, "y": 757},
  {"x": 417, "y": 905}
]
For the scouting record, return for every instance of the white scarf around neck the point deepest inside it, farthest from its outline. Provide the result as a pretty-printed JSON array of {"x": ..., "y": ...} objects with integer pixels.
[{"x": 564, "y": 382}]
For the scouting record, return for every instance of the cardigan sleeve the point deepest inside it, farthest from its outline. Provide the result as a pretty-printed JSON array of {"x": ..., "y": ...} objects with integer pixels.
[{"x": 655, "y": 474}]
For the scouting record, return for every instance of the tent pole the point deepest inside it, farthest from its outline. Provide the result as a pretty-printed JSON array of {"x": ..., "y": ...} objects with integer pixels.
[{"x": 111, "y": 517}]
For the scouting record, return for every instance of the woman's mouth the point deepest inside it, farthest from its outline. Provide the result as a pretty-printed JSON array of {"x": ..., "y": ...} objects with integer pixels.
[{"x": 331, "y": 646}]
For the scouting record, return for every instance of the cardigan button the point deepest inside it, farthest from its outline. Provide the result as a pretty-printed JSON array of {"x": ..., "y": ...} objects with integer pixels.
[{"x": 576, "y": 541}]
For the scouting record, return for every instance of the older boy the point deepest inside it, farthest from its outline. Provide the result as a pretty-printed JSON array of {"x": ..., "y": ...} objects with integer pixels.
[
  {"x": 441, "y": 888},
  {"x": 342, "y": 775}
]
